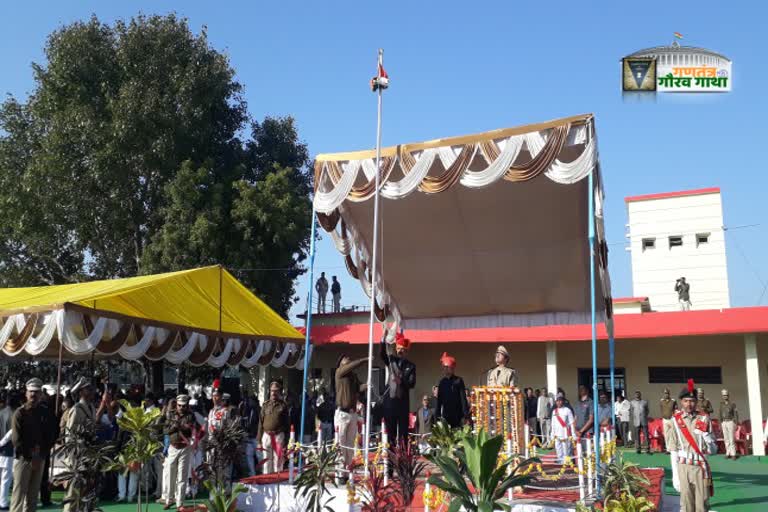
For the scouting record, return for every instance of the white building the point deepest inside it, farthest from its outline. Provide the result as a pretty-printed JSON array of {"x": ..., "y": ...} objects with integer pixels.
[{"x": 678, "y": 234}]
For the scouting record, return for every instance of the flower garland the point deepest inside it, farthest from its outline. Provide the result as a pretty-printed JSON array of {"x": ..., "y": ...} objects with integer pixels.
[
  {"x": 352, "y": 497},
  {"x": 433, "y": 497}
]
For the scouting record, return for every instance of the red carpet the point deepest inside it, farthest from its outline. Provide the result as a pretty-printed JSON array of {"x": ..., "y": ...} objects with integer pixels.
[{"x": 655, "y": 476}]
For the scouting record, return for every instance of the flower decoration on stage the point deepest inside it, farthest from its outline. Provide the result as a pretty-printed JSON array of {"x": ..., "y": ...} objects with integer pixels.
[
  {"x": 401, "y": 341},
  {"x": 380, "y": 81},
  {"x": 447, "y": 360}
]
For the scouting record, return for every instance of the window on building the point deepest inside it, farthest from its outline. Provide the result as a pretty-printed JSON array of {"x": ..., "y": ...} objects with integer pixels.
[
  {"x": 649, "y": 243},
  {"x": 702, "y": 238},
  {"x": 675, "y": 241},
  {"x": 680, "y": 375}
]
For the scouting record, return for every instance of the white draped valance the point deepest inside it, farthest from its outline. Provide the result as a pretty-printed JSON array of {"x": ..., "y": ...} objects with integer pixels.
[{"x": 38, "y": 335}]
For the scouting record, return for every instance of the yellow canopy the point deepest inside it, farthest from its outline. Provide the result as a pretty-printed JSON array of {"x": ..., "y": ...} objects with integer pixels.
[{"x": 208, "y": 300}]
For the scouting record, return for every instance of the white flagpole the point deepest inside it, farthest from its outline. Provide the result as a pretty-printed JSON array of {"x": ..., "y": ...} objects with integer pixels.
[{"x": 373, "y": 267}]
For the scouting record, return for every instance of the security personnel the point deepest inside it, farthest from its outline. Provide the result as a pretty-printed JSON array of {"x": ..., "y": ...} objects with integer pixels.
[
  {"x": 691, "y": 474},
  {"x": 179, "y": 428},
  {"x": 274, "y": 423},
  {"x": 667, "y": 407},
  {"x": 501, "y": 375},
  {"x": 82, "y": 416},
  {"x": 33, "y": 432},
  {"x": 704, "y": 406},
  {"x": 729, "y": 418}
]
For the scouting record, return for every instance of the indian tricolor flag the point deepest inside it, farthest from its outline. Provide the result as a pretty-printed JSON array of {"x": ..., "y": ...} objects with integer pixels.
[{"x": 678, "y": 35}]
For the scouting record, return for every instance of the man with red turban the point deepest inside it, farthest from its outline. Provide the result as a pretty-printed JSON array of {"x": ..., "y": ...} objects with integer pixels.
[
  {"x": 452, "y": 405},
  {"x": 402, "y": 378}
]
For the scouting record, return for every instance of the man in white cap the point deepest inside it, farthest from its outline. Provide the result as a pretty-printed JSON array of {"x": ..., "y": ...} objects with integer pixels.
[
  {"x": 729, "y": 418},
  {"x": 180, "y": 431},
  {"x": 562, "y": 428},
  {"x": 501, "y": 375},
  {"x": 33, "y": 433}
]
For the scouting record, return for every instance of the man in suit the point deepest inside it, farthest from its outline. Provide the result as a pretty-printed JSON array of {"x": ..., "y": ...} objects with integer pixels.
[
  {"x": 402, "y": 378},
  {"x": 639, "y": 408},
  {"x": 426, "y": 418},
  {"x": 452, "y": 404}
]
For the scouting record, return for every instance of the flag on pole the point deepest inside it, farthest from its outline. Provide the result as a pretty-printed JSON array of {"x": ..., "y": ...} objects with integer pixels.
[
  {"x": 381, "y": 80},
  {"x": 678, "y": 35}
]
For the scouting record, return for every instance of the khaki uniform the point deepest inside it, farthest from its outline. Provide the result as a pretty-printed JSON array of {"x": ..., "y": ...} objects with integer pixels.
[
  {"x": 274, "y": 423},
  {"x": 704, "y": 406},
  {"x": 179, "y": 428},
  {"x": 667, "y": 407},
  {"x": 83, "y": 413},
  {"x": 729, "y": 418},
  {"x": 33, "y": 433},
  {"x": 691, "y": 470},
  {"x": 502, "y": 376}
]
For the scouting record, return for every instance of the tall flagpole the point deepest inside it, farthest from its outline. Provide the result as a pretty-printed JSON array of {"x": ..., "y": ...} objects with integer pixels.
[{"x": 367, "y": 432}]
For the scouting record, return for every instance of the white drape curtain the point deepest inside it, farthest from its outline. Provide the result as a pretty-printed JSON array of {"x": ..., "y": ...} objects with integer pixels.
[{"x": 67, "y": 327}]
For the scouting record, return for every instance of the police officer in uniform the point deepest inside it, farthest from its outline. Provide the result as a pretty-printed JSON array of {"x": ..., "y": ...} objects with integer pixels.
[
  {"x": 274, "y": 424},
  {"x": 501, "y": 375},
  {"x": 82, "y": 415},
  {"x": 667, "y": 407},
  {"x": 691, "y": 474},
  {"x": 704, "y": 406},
  {"x": 729, "y": 418},
  {"x": 33, "y": 431}
]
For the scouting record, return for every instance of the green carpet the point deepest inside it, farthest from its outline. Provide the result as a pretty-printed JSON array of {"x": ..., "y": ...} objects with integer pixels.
[
  {"x": 740, "y": 485},
  {"x": 113, "y": 507}
]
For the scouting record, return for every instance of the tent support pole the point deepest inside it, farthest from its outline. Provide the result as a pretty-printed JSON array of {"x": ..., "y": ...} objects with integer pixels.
[
  {"x": 596, "y": 416},
  {"x": 308, "y": 332},
  {"x": 367, "y": 431},
  {"x": 612, "y": 352},
  {"x": 58, "y": 401}
]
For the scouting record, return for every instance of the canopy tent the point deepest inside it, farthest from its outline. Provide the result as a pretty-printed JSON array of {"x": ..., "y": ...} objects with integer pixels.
[
  {"x": 486, "y": 230},
  {"x": 498, "y": 229},
  {"x": 203, "y": 316}
]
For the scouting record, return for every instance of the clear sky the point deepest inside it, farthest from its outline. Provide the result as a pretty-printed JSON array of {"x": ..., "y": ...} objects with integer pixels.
[{"x": 464, "y": 67}]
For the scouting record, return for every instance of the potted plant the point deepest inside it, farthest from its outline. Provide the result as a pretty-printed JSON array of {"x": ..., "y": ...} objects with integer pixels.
[
  {"x": 375, "y": 496},
  {"x": 311, "y": 484},
  {"x": 85, "y": 460},
  {"x": 621, "y": 477},
  {"x": 142, "y": 445},
  {"x": 490, "y": 479},
  {"x": 220, "y": 499},
  {"x": 407, "y": 466}
]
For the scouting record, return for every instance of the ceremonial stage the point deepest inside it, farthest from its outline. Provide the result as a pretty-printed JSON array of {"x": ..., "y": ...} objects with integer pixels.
[{"x": 272, "y": 493}]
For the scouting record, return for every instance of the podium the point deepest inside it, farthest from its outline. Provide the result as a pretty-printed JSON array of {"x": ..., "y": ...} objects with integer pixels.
[{"x": 499, "y": 411}]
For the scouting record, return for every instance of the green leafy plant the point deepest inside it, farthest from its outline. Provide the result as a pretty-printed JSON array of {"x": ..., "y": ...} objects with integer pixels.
[
  {"x": 629, "y": 503},
  {"x": 223, "y": 446},
  {"x": 580, "y": 507},
  {"x": 220, "y": 499},
  {"x": 622, "y": 477},
  {"x": 490, "y": 480},
  {"x": 445, "y": 439},
  {"x": 405, "y": 461},
  {"x": 312, "y": 482},
  {"x": 142, "y": 445},
  {"x": 85, "y": 460}
]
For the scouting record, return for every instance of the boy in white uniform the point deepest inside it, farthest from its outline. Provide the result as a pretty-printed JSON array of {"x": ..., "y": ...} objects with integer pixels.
[{"x": 562, "y": 427}]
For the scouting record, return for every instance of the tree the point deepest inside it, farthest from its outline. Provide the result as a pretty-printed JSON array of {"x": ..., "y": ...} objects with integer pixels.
[{"x": 128, "y": 157}]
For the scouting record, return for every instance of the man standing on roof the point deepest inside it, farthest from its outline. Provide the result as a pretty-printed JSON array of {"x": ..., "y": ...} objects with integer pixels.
[
  {"x": 501, "y": 375},
  {"x": 683, "y": 290},
  {"x": 321, "y": 287},
  {"x": 402, "y": 378},
  {"x": 336, "y": 294}
]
